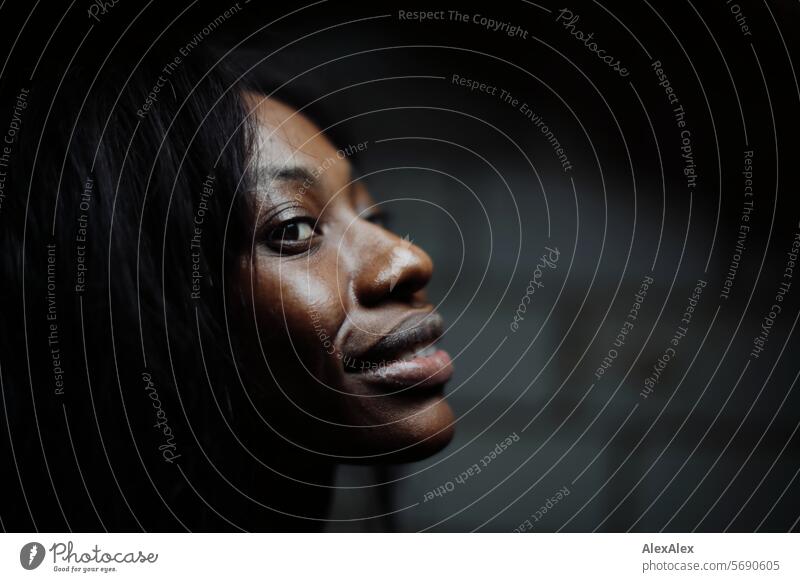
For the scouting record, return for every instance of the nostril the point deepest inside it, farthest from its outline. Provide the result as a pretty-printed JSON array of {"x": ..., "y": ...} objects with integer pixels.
[{"x": 405, "y": 289}]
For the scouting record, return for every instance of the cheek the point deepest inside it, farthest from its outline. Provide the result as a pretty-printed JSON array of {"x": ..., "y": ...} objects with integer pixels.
[{"x": 298, "y": 301}]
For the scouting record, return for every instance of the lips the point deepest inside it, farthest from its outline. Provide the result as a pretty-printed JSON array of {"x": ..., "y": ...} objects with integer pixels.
[{"x": 406, "y": 355}]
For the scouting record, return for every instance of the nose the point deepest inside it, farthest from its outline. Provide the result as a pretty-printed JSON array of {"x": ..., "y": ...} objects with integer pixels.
[{"x": 390, "y": 268}]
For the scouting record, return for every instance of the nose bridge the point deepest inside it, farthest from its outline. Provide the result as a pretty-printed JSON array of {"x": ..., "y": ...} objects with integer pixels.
[{"x": 386, "y": 265}]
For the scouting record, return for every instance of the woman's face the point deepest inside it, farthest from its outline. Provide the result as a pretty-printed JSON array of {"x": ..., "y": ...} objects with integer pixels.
[{"x": 340, "y": 318}]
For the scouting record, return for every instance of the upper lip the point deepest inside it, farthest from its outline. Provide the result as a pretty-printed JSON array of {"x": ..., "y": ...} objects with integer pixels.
[{"x": 413, "y": 332}]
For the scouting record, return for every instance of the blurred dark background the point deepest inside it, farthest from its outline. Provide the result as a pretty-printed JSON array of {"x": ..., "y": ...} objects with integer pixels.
[{"x": 473, "y": 180}]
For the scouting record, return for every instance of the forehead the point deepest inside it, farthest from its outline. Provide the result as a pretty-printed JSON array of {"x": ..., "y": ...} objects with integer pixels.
[{"x": 286, "y": 138}]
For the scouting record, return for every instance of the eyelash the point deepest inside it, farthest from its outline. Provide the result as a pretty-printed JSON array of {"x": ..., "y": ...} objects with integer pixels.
[
  {"x": 381, "y": 219},
  {"x": 292, "y": 246}
]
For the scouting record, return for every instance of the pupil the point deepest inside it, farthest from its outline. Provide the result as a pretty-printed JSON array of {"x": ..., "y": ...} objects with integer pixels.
[{"x": 290, "y": 232}]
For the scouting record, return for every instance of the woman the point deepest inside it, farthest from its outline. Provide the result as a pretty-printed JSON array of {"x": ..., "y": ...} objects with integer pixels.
[{"x": 203, "y": 312}]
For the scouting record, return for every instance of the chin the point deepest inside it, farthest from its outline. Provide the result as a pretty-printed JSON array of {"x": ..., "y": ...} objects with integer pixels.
[
  {"x": 404, "y": 427},
  {"x": 415, "y": 432}
]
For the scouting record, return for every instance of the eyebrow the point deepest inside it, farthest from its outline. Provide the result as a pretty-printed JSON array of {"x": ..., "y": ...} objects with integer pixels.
[
  {"x": 266, "y": 174},
  {"x": 284, "y": 173}
]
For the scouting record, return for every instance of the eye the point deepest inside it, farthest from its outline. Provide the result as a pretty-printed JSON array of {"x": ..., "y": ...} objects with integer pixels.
[
  {"x": 382, "y": 219},
  {"x": 293, "y": 231}
]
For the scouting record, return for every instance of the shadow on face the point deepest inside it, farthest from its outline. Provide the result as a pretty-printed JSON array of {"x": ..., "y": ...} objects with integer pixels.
[{"x": 338, "y": 333}]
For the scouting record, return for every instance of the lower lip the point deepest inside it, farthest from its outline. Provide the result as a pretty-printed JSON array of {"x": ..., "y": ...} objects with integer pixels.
[{"x": 422, "y": 371}]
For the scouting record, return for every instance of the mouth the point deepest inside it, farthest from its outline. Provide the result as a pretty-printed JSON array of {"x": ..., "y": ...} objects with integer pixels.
[{"x": 406, "y": 355}]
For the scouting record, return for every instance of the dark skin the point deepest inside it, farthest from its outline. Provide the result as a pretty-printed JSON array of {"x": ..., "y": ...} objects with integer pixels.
[{"x": 338, "y": 327}]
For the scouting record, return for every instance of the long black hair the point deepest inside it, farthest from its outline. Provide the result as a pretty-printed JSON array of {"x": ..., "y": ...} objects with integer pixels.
[{"x": 124, "y": 211}]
